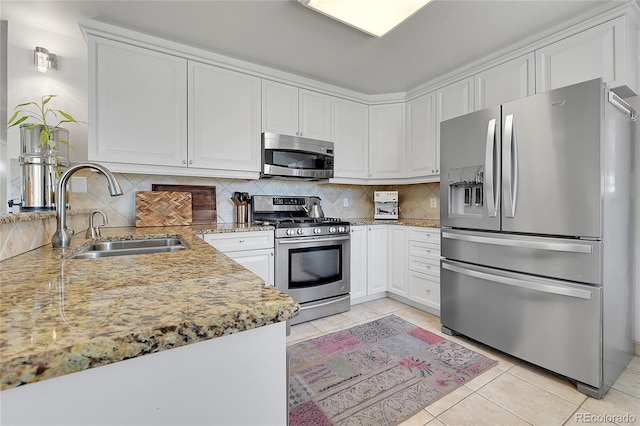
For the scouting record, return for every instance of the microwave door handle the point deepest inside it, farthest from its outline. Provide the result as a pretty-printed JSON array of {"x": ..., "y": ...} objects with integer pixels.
[
  {"x": 490, "y": 181},
  {"x": 510, "y": 167}
]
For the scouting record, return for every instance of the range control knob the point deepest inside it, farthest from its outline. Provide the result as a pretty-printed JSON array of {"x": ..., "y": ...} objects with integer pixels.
[
  {"x": 332, "y": 229},
  {"x": 341, "y": 229},
  {"x": 300, "y": 231},
  {"x": 317, "y": 230},
  {"x": 290, "y": 231}
]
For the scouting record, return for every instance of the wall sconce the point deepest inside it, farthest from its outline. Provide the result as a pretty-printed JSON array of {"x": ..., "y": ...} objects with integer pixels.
[{"x": 45, "y": 60}]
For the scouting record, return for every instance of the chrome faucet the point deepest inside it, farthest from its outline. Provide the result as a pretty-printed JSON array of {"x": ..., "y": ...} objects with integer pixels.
[
  {"x": 62, "y": 236},
  {"x": 94, "y": 231}
]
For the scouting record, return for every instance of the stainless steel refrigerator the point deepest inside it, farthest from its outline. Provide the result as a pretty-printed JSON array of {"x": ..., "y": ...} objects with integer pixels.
[{"x": 537, "y": 231}]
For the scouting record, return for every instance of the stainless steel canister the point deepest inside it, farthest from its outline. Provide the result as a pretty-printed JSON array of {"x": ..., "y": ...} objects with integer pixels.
[{"x": 38, "y": 163}]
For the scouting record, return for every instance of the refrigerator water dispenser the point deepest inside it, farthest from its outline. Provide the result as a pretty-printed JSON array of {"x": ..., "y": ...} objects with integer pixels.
[{"x": 466, "y": 193}]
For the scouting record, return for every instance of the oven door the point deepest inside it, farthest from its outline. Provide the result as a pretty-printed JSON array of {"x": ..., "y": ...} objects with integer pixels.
[{"x": 310, "y": 269}]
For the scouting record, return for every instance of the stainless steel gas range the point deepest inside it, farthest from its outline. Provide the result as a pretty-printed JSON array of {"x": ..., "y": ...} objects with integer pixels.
[{"x": 311, "y": 255}]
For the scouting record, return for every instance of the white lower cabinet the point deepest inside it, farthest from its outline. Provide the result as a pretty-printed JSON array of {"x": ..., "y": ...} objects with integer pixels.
[
  {"x": 397, "y": 236},
  {"x": 368, "y": 262},
  {"x": 423, "y": 275},
  {"x": 253, "y": 250},
  {"x": 398, "y": 260}
]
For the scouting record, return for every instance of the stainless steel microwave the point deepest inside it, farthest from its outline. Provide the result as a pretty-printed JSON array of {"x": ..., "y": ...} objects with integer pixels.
[{"x": 296, "y": 157}]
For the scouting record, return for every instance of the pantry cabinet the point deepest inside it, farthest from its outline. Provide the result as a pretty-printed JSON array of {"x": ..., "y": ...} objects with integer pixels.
[
  {"x": 506, "y": 82},
  {"x": 137, "y": 105},
  {"x": 253, "y": 250},
  {"x": 224, "y": 119},
  {"x": 293, "y": 111},
  {"x": 609, "y": 50},
  {"x": 387, "y": 141},
  {"x": 350, "y": 135}
]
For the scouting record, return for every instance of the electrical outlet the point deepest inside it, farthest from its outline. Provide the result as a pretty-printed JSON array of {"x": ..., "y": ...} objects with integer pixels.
[
  {"x": 345, "y": 202},
  {"x": 434, "y": 202}
]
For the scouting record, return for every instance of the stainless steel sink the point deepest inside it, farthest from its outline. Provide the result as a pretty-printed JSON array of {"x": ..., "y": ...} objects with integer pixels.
[{"x": 130, "y": 247}]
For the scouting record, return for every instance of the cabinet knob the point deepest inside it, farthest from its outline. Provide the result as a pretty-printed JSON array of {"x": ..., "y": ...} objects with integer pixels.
[
  {"x": 190, "y": 161},
  {"x": 428, "y": 291},
  {"x": 184, "y": 161}
]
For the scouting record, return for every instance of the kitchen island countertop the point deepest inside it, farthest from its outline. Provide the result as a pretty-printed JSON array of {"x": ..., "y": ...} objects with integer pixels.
[{"x": 60, "y": 315}]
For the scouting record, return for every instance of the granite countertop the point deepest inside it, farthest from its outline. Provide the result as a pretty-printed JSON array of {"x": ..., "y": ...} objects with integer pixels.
[
  {"x": 426, "y": 223},
  {"x": 60, "y": 316}
]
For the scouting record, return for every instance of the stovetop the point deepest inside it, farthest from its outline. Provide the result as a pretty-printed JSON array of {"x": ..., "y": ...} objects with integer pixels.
[{"x": 288, "y": 215}]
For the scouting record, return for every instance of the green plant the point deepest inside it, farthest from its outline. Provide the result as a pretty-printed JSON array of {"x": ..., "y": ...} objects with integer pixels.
[{"x": 44, "y": 116}]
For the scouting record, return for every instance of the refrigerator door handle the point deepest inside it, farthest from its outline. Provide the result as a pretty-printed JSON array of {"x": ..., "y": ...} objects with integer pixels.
[
  {"x": 490, "y": 181},
  {"x": 539, "y": 245},
  {"x": 510, "y": 167},
  {"x": 538, "y": 285}
]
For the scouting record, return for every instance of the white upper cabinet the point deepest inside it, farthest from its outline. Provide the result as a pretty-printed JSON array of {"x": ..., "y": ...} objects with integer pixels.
[
  {"x": 292, "y": 111},
  {"x": 224, "y": 119},
  {"x": 421, "y": 136},
  {"x": 314, "y": 115},
  {"x": 137, "y": 105},
  {"x": 453, "y": 100},
  {"x": 506, "y": 82},
  {"x": 609, "y": 50},
  {"x": 387, "y": 141},
  {"x": 350, "y": 135}
]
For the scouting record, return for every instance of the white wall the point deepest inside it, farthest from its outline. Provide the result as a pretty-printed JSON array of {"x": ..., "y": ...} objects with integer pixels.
[{"x": 25, "y": 83}]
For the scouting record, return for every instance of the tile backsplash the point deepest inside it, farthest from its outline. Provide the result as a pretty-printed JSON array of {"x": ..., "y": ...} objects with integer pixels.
[{"x": 415, "y": 200}]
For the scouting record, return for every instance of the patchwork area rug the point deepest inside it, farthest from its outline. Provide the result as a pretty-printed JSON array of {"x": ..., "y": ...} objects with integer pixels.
[{"x": 378, "y": 373}]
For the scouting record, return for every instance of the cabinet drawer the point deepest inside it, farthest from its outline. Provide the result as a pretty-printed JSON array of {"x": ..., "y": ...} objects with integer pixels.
[
  {"x": 425, "y": 265},
  {"x": 425, "y": 235},
  {"x": 238, "y": 241},
  {"x": 424, "y": 289},
  {"x": 424, "y": 249}
]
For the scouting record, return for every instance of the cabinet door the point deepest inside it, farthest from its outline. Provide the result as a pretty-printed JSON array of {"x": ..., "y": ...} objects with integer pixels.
[
  {"x": 421, "y": 136},
  {"x": 350, "y": 135},
  {"x": 138, "y": 105},
  {"x": 398, "y": 259},
  {"x": 279, "y": 108},
  {"x": 608, "y": 50},
  {"x": 453, "y": 100},
  {"x": 314, "y": 115},
  {"x": 424, "y": 289},
  {"x": 505, "y": 82},
  {"x": 387, "y": 141},
  {"x": 377, "y": 259},
  {"x": 260, "y": 262},
  {"x": 224, "y": 119},
  {"x": 358, "y": 261}
]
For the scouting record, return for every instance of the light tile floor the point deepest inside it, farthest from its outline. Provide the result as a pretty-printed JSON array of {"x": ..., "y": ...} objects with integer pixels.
[{"x": 511, "y": 393}]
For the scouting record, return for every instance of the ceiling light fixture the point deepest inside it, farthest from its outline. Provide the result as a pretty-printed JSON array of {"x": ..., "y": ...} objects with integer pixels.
[
  {"x": 375, "y": 17},
  {"x": 44, "y": 60}
]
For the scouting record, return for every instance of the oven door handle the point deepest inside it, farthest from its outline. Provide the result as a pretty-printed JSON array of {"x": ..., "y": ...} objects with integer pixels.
[{"x": 312, "y": 240}]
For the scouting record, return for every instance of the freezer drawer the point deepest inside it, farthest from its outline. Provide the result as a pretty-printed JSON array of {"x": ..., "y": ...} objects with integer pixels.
[
  {"x": 549, "y": 323},
  {"x": 562, "y": 258}
]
